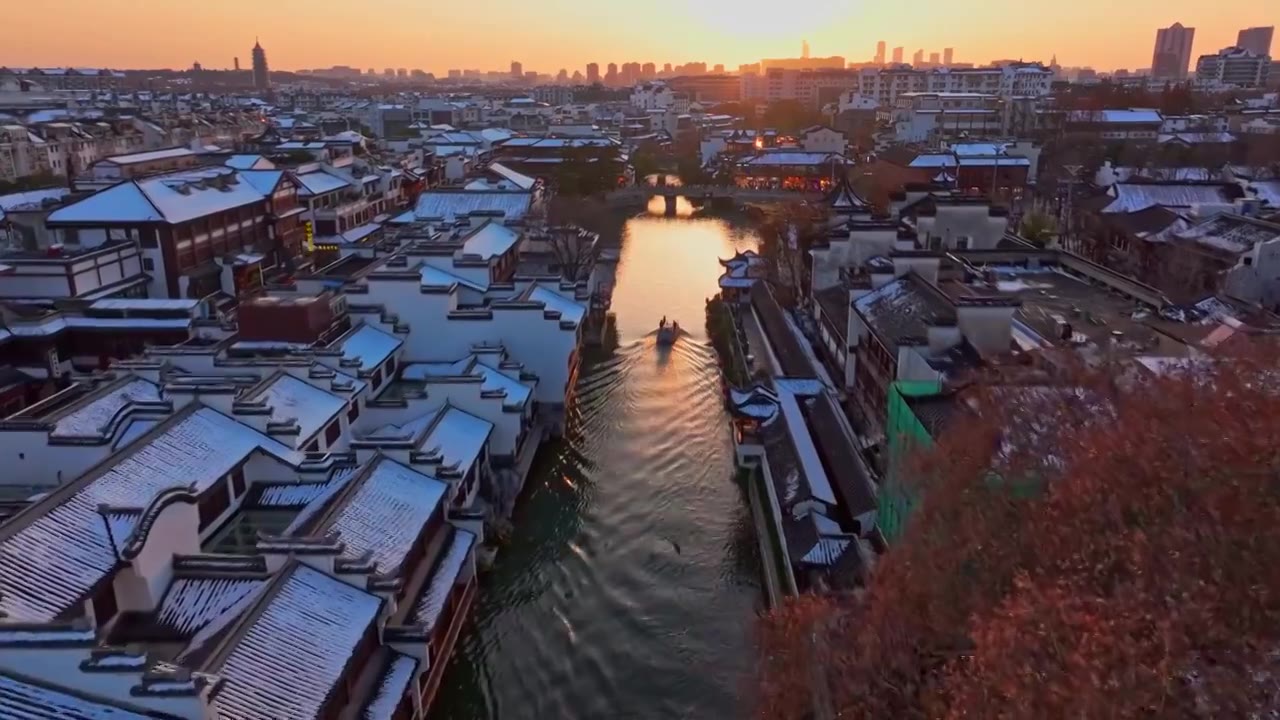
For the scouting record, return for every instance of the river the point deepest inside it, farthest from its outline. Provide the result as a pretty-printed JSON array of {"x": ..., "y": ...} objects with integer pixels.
[{"x": 631, "y": 580}]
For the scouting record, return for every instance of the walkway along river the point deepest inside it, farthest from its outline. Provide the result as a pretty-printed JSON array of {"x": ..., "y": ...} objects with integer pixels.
[{"x": 630, "y": 583}]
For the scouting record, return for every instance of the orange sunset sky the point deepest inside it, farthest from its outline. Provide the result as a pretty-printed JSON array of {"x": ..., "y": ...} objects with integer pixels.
[{"x": 547, "y": 35}]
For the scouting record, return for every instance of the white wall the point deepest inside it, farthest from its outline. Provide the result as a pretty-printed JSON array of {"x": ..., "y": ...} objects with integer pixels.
[
  {"x": 825, "y": 140},
  {"x": 853, "y": 252},
  {"x": 1260, "y": 281},
  {"x": 142, "y": 584},
  {"x": 24, "y": 283},
  {"x": 539, "y": 343},
  {"x": 954, "y": 222},
  {"x": 29, "y": 459},
  {"x": 465, "y": 395}
]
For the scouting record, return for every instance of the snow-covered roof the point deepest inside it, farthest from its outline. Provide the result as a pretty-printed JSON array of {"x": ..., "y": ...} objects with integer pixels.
[
  {"x": 1133, "y": 197},
  {"x": 320, "y": 182},
  {"x": 570, "y": 310},
  {"x": 933, "y": 160},
  {"x": 30, "y": 199},
  {"x": 977, "y": 148},
  {"x": 788, "y": 157},
  {"x": 386, "y": 514},
  {"x": 490, "y": 240},
  {"x": 370, "y": 345},
  {"x": 195, "y": 449},
  {"x": 171, "y": 198},
  {"x": 459, "y": 437},
  {"x": 249, "y": 162},
  {"x": 450, "y": 205},
  {"x": 819, "y": 486},
  {"x": 190, "y": 604},
  {"x": 295, "y": 401},
  {"x": 20, "y": 699},
  {"x": 1267, "y": 191},
  {"x": 291, "y": 655},
  {"x": 90, "y": 418},
  {"x": 1197, "y": 138},
  {"x": 576, "y": 142},
  {"x": 517, "y": 392},
  {"x": 392, "y": 687},
  {"x": 359, "y": 234},
  {"x": 433, "y": 276},
  {"x": 1117, "y": 116},
  {"x": 265, "y": 180},
  {"x": 997, "y": 161},
  {"x": 493, "y": 379},
  {"x": 1231, "y": 233},
  {"x": 426, "y": 611},
  {"x": 902, "y": 310},
  {"x": 520, "y": 180},
  {"x": 149, "y": 156},
  {"x": 144, "y": 304}
]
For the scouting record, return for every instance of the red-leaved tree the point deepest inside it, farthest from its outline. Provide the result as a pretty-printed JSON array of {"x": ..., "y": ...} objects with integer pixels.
[{"x": 1107, "y": 547}]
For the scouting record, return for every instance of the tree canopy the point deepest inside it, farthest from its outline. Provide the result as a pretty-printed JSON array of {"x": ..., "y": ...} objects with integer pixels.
[{"x": 1103, "y": 548}]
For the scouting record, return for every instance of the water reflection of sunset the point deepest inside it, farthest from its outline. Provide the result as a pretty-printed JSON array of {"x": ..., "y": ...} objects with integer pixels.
[
  {"x": 670, "y": 267},
  {"x": 658, "y": 206}
]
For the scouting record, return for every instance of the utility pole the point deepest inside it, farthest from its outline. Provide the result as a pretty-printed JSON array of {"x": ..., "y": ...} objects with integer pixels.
[{"x": 1068, "y": 226}]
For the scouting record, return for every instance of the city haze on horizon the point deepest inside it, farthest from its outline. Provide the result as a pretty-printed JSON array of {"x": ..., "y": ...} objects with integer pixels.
[{"x": 569, "y": 34}]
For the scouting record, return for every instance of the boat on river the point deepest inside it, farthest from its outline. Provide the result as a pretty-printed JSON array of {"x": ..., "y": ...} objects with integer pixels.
[{"x": 667, "y": 333}]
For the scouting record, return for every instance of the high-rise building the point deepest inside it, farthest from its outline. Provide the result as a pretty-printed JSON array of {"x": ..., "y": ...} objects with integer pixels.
[
  {"x": 611, "y": 74},
  {"x": 948, "y": 54},
  {"x": 630, "y": 73},
  {"x": 562, "y": 77},
  {"x": 666, "y": 68},
  {"x": 880, "y": 53},
  {"x": 1172, "y": 53},
  {"x": 804, "y": 49},
  {"x": 236, "y": 61},
  {"x": 517, "y": 70},
  {"x": 1256, "y": 40},
  {"x": 402, "y": 73},
  {"x": 897, "y": 56},
  {"x": 593, "y": 73},
  {"x": 718, "y": 69},
  {"x": 935, "y": 59},
  {"x": 918, "y": 59},
  {"x": 648, "y": 71},
  {"x": 261, "y": 76},
  {"x": 1233, "y": 67}
]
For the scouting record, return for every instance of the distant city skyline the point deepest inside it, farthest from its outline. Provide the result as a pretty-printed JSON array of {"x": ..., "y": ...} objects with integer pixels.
[{"x": 570, "y": 34}]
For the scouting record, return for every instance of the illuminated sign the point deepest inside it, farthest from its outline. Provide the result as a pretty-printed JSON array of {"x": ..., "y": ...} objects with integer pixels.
[{"x": 309, "y": 233}]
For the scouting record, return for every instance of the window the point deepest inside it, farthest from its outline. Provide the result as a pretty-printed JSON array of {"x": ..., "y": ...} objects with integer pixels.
[
  {"x": 237, "y": 481},
  {"x": 332, "y": 432},
  {"x": 312, "y": 447},
  {"x": 104, "y": 603},
  {"x": 148, "y": 264},
  {"x": 213, "y": 504},
  {"x": 354, "y": 412}
]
